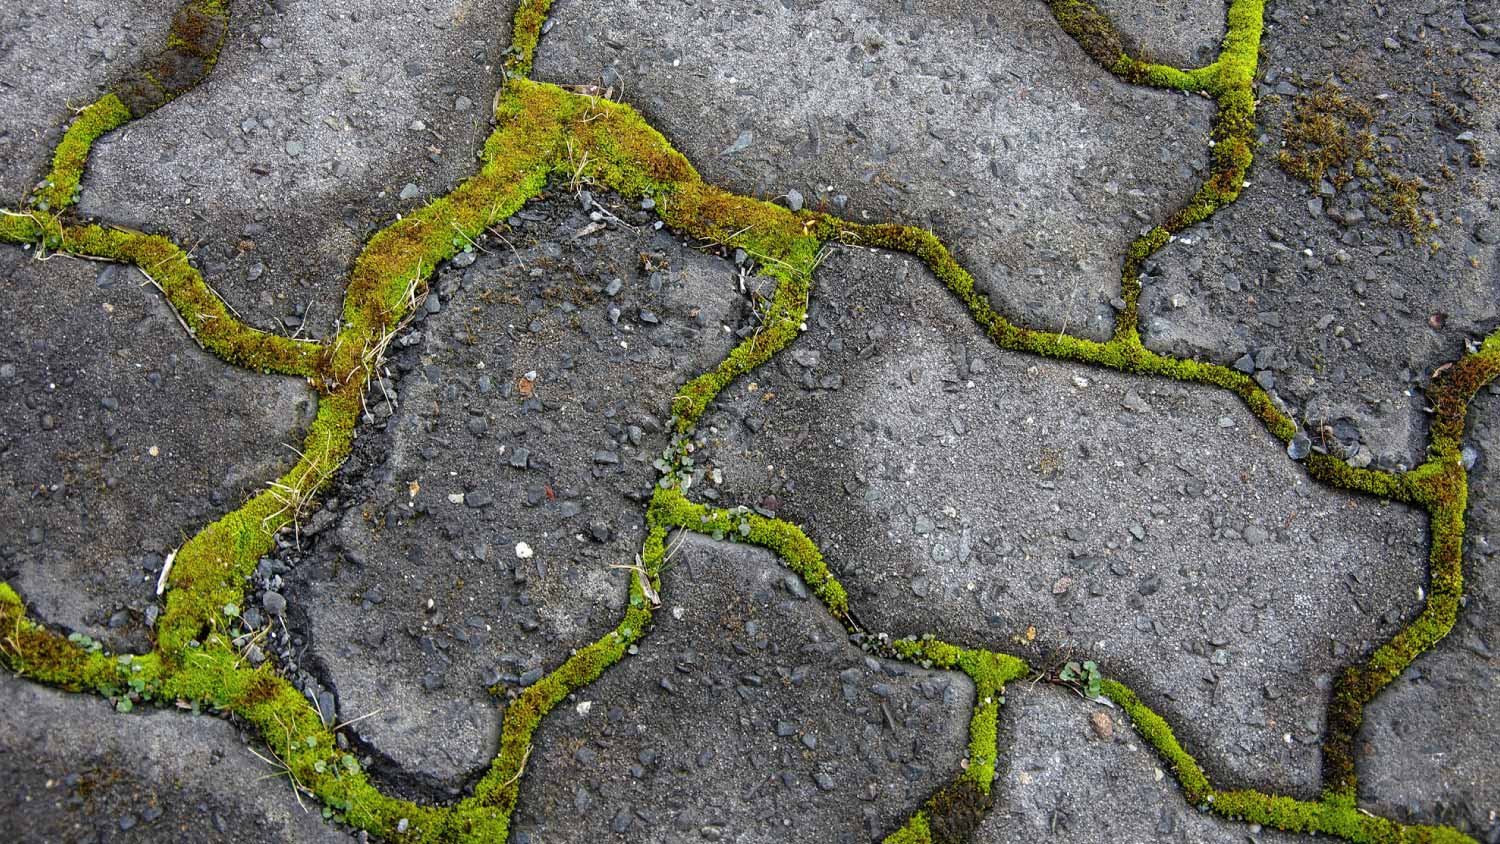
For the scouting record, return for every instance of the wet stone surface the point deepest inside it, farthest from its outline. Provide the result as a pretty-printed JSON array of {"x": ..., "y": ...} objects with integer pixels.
[
  {"x": 474, "y": 530},
  {"x": 981, "y": 124},
  {"x": 990, "y": 498},
  {"x": 747, "y": 716},
  {"x": 103, "y": 467}
]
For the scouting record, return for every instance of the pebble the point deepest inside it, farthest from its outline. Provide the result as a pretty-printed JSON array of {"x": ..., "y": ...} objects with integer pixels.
[
  {"x": 273, "y": 603},
  {"x": 1299, "y": 447},
  {"x": 1104, "y": 726},
  {"x": 741, "y": 143}
]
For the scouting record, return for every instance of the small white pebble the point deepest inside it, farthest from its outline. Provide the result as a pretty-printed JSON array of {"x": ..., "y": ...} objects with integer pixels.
[{"x": 523, "y": 550}]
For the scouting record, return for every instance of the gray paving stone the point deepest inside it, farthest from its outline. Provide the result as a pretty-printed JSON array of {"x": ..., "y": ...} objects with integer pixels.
[
  {"x": 747, "y": 716},
  {"x": 1066, "y": 783},
  {"x": 524, "y": 413},
  {"x": 297, "y": 147},
  {"x": 151, "y": 776},
  {"x": 979, "y": 122},
  {"x": 58, "y": 55},
  {"x": 1413, "y": 766},
  {"x": 1153, "y": 526},
  {"x": 106, "y": 460}
]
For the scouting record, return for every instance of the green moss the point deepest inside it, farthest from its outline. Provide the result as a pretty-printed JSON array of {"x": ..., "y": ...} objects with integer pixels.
[
  {"x": 60, "y": 189},
  {"x": 547, "y": 131},
  {"x": 525, "y": 32},
  {"x": 916, "y": 831},
  {"x": 1229, "y": 80},
  {"x": 192, "y": 47},
  {"x": 1326, "y": 135},
  {"x": 192, "y": 50},
  {"x": 669, "y": 508},
  {"x": 210, "y": 569},
  {"x": 1333, "y": 817},
  {"x": 207, "y": 318}
]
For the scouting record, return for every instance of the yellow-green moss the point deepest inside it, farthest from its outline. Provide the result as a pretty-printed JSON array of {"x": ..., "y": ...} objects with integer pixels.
[
  {"x": 60, "y": 189},
  {"x": 1329, "y": 817},
  {"x": 525, "y": 32},
  {"x": 547, "y": 131}
]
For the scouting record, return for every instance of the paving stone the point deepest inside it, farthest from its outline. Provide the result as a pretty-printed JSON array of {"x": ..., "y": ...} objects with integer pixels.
[
  {"x": 435, "y": 509},
  {"x": 1181, "y": 33},
  {"x": 748, "y": 714},
  {"x": 1152, "y": 526},
  {"x": 1412, "y": 766},
  {"x": 105, "y": 466},
  {"x": 1352, "y": 313},
  {"x": 276, "y": 232},
  {"x": 147, "y": 777},
  {"x": 1062, "y": 783},
  {"x": 56, "y": 53},
  {"x": 504, "y": 460},
  {"x": 978, "y": 122}
]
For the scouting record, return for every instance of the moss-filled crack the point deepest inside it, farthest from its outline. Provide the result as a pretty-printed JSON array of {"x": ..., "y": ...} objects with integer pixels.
[
  {"x": 1229, "y": 81},
  {"x": 544, "y": 131}
]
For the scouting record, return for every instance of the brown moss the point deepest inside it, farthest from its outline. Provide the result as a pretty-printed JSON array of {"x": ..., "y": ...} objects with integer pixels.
[{"x": 1326, "y": 135}]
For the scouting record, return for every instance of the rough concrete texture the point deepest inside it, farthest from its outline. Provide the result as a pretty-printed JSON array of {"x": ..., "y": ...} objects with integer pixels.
[
  {"x": 1420, "y": 763},
  {"x": 991, "y": 498},
  {"x": 534, "y": 392},
  {"x": 505, "y": 459},
  {"x": 979, "y": 122},
  {"x": 320, "y": 124},
  {"x": 161, "y": 776},
  {"x": 1342, "y": 311},
  {"x": 95, "y": 42},
  {"x": 1078, "y": 773},
  {"x": 747, "y": 686},
  {"x": 97, "y": 481},
  {"x": 1182, "y": 33}
]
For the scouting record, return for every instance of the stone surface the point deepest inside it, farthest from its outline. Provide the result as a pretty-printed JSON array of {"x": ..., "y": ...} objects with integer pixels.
[
  {"x": 1416, "y": 765},
  {"x": 152, "y": 776},
  {"x": 105, "y": 465},
  {"x": 298, "y": 145},
  {"x": 747, "y": 716},
  {"x": 56, "y": 53},
  {"x": 979, "y": 122},
  {"x": 1064, "y": 784},
  {"x": 1349, "y": 312},
  {"x": 1181, "y": 33},
  {"x": 1043, "y": 509},
  {"x": 530, "y": 405},
  {"x": 988, "y": 497}
]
